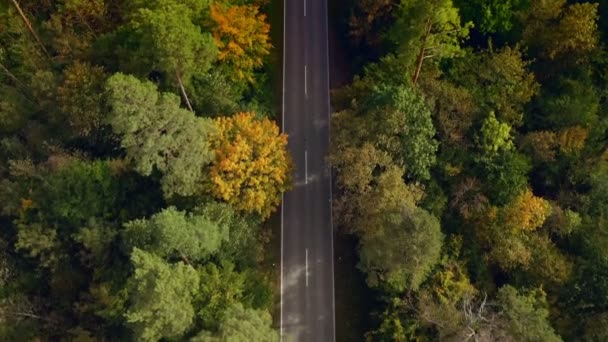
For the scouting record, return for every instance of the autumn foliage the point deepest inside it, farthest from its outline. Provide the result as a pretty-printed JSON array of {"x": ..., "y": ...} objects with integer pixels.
[
  {"x": 526, "y": 213},
  {"x": 250, "y": 169},
  {"x": 241, "y": 34}
]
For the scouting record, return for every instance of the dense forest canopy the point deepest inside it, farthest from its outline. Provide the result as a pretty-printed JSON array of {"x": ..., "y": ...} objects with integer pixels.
[
  {"x": 471, "y": 160},
  {"x": 138, "y": 162}
]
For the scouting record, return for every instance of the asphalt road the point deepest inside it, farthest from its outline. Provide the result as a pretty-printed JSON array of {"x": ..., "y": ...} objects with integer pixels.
[{"x": 307, "y": 284}]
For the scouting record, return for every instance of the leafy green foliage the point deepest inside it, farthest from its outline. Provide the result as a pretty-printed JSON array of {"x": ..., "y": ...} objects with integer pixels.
[
  {"x": 85, "y": 161},
  {"x": 154, "y": 130},
  {"x": 169, "y": 41},
  {"x": 500, "y": 81},
  {"x": 492, "y": 16},
  {"x": 436, "y": 23},
  {"x": 519, "y": 171},
  {"x": 372, "y": 183},
  {"x": 79, "y": 191},
  {"x": 398, "y": 255},
  {"x": 395, "y": 119},
  {"x": 172, "y": 233},
  {"x": 39, "y": 242},
  {"x": 107, "y": 221},
  {"x": 495, "y": 137},
  {"x": 243, "y": 245},
  {"x": 427, "y": 29},
  {"x": 161, "y": 297},
  {"x": 214, "y": 94},
  {"x": 505, "y": 176},
  {"x": 220, "y": 288},
  {"x": 527, "y": 315},
  {"x": 569, "y": 102},
  {"x": 240, "y": 325}
]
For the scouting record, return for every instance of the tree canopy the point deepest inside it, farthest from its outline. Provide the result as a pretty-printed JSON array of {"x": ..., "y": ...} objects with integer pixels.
[
  {"x": 109, "y": 125},
  {"x": 469, "y": 151},
  {"x": 153, "y": 131},
  {"x": 251, "y": 167}
]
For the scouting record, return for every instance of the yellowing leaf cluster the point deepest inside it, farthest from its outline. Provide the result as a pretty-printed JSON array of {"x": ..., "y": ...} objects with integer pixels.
[
  {"x": 526, "y": 213},
  {"x": 251, "y": 165},
  {"x": 241, "y": 35}
]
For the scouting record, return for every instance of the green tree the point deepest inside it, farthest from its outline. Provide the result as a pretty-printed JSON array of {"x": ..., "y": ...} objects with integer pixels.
[
  {"x": 97, "y": 239},
  {"x": 492, "y": 15},
  {"x": 399, "y": 255},
  {"x": 159, "y": 135},
  {"x": 160, "y": 297},
  {"x": 404, "y": 127},
  {"x": 173, "y": 233},
  {"x": 454, "y": 109},
  {"x": 40, "y": 242},
  {"x": 220, "y": 288},
  {"x": 394, "y": 119},
  {"x": 527, "y": 315},
  {"x": 244, "y": 246},
  {"x": 79, "y": 191},
  {"x": 495, "y": 136},
  {"x": 587, "y": 292},
  {"x": 241, "y": 324},
  {"x": 389, "y": 192},
  {"x": 504, "y": 176},
  {"x": 214, "y": 94},
  {"x": 499, "y": 81},
  {"x": 371, "y": 183},
  {"x": 169, "y": 41},
  {"x": 429, "y": 28},
  {"x": 568, "y": 102}
]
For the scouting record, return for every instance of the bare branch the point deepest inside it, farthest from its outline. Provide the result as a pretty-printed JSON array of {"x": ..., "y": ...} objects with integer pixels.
[{"x": 183, "y": 90}]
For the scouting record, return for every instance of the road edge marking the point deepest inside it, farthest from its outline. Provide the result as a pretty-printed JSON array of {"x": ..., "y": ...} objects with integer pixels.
[
  {"x": 331, "y": 200},
  {"x": 281, "y": 333}
]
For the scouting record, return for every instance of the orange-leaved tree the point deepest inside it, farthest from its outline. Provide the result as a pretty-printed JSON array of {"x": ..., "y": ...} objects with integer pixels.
[
  {"x": 251, "y": 165},
  {"x": 241, "y": 35}
]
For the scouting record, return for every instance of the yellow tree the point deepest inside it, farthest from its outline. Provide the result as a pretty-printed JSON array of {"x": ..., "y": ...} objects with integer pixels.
[
  {"x": 526, "y": 212},
  {"x": 241, "y": 35},
  {"x": 514, "y": 240},
  {"x": 251, "y": 165}
]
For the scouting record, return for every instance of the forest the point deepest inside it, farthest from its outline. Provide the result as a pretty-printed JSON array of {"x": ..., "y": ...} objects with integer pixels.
[
  {"x": 139, "y": 162},
  {"x": 471, "y": 166}
]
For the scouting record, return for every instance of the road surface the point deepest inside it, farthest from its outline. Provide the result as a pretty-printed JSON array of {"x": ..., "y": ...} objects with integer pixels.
[{"x": 307, "y": 283}]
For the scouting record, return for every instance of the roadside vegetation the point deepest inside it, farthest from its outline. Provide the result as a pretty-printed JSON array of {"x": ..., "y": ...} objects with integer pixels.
[
  {"x": 139, "y": 161},
  {"x": 472, "y": 167}
]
